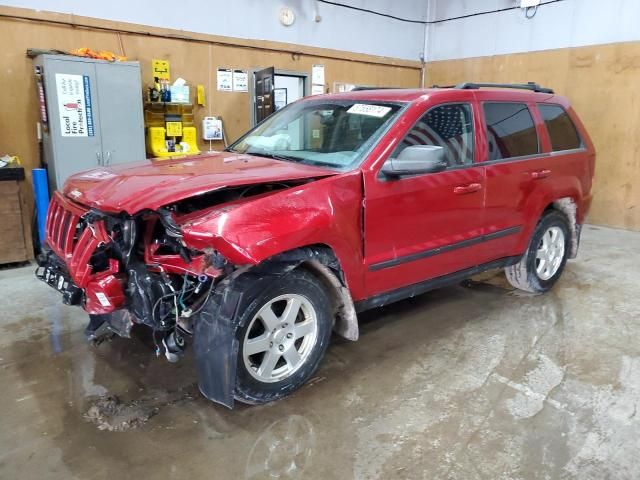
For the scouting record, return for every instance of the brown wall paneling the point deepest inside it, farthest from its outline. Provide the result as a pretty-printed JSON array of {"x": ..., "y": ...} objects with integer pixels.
[
  {"x": 602, "y": 83},
  {"x": 195, "y": 57}
]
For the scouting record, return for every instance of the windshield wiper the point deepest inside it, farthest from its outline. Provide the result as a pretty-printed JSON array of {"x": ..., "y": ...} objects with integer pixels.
[
  {"x": 275, "y": 156},
  {"x": 321, "y": 164},
  {"x": 285, "y": 158}
]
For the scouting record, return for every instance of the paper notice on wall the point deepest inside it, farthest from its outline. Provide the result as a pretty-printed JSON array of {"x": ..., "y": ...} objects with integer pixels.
[
  {"x": 317, "y": 89},
  {"x": 340, "y": 87},
  {"x": 74, "y": 105},
  {"x": 317, "y": 75},
  {"x": 279, "y": 98},
  {"x": 240, "y": 81},
  {"x": 225, "y": 79},
  {"x": 211, "y": 128}
]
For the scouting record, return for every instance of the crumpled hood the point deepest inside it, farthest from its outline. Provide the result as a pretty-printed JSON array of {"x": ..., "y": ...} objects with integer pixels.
[{"x": 151, "y": 184}]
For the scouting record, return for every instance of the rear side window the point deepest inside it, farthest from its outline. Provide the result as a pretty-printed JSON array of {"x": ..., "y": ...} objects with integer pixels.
[
  {"x": 562, "y": 131},
  {"x": 510, "y": 130},
  {"x": 448, "y": 126}
]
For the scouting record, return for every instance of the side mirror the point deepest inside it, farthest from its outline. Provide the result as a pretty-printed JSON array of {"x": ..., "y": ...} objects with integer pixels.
[{"x": 416, "y": 159}]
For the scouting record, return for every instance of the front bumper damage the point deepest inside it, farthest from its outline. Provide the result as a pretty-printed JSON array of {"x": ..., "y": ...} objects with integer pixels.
[
  {"x": 125, "y": 270},
  {"x": 54, "y": 273},
  {"x": 215, "y": 328}
]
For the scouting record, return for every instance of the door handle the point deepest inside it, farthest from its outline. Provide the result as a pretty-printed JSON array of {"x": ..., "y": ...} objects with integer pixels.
[
  {"x": 99, "y": 157},
  {"x": 463, "y": 189},
  {"x": 540, "y": 174}
]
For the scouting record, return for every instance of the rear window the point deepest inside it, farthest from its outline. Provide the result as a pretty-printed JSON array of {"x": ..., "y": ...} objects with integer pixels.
[
  {"x": 510, "y": 130},
  {"x": 562, "y": 131}
]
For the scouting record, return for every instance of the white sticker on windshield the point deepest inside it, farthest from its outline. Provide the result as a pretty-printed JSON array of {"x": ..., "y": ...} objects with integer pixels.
[{"x": 371, "y": 110}]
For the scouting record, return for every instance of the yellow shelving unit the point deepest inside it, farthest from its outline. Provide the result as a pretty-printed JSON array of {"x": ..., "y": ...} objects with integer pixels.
[{"x": 170, "y": 124}]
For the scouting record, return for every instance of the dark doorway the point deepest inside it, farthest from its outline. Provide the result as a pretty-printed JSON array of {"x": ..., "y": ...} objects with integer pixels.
[{"x": 264, "y": 85}]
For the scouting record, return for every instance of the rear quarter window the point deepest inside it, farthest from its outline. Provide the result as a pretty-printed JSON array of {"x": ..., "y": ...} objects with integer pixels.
[
  {"x": 562, "y": 132},
  {"x": 510, "y": 130}
]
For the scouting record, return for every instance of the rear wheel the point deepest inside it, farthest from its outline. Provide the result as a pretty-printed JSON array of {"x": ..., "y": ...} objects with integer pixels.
[
  {"x": 543, "y": 262},
  {"x": 285, "y": 333}
]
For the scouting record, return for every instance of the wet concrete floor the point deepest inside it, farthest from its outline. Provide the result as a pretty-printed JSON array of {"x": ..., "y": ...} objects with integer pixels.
[{"x": 469, "y": 382}]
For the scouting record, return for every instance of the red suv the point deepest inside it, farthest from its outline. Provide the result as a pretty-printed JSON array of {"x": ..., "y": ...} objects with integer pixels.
[{"x": 333, "y": 205}]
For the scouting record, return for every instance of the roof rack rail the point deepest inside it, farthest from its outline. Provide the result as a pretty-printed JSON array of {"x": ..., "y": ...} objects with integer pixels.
[
  {"x": 361, "y": 89},
  {"x": 534, "y": 87}
]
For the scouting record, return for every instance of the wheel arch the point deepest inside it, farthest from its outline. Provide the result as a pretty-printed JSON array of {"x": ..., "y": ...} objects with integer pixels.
[
  {"x": 321, "y": 261},
  {"x": 215, "y": 340},
  {"x": 568, "y": 207}
]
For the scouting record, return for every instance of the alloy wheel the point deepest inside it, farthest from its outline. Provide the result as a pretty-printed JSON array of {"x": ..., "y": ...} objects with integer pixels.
[
  {"x": 280, "y": 338},
  {"x": 550, "y": 253}
]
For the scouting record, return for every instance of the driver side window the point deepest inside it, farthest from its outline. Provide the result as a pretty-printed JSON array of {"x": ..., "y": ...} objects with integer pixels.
[{"x": 448, "y": 126}]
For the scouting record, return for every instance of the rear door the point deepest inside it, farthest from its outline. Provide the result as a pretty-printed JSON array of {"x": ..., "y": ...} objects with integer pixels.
[
  {"x": 514, "y": 162},
  {"x": 424, "y": 226}
]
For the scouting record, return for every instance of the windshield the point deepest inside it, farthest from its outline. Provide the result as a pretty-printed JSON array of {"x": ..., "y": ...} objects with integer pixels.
[{"x": 331, "y": 133}]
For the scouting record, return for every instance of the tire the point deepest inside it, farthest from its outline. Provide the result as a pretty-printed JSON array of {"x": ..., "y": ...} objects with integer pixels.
[
  {"x": 274, "y": 357},
  {"x": 537, "y": 271}
]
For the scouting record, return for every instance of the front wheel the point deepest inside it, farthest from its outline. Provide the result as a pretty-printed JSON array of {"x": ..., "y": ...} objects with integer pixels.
[
  {"x": 285, "y": 333},
  {"x": 543, "y": 262}
]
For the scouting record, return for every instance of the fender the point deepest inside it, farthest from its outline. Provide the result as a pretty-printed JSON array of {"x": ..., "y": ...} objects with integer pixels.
[
  {"x": 326, "y": 212},
  {"x": 564, "y": 188}
]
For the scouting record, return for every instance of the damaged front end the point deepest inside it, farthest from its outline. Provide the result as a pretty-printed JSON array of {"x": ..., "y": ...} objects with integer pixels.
[{"x": 128, "y": 269}]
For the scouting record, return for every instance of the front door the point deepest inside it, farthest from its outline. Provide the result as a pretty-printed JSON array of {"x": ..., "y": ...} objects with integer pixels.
[
  {"x": 424, "y": 226},
  {"x": 264, "y": 85}
]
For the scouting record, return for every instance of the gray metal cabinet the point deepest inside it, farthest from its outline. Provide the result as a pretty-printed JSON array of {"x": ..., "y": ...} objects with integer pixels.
[{"x": 94, "y": 114}]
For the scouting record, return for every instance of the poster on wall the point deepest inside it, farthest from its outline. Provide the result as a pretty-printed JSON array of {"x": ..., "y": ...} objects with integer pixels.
[
  {"x": 161, "y": 69},
  {"x": 74, "y": 105},
  {"x": 280, "y": 98},
  {"x": 225, "y": 79},
  {"x": 317, "y": 74},
  {"x": 240, "y": 81},
  {"x": 211, "y": 128},
  {"x": 340, "y": 87}
]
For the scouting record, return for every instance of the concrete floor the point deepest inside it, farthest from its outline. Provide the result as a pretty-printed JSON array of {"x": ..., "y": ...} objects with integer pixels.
[{"x": 467, "y": 382}]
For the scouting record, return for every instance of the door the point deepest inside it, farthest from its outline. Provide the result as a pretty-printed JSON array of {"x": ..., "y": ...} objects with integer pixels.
[
  {"x": 74, "y": 128},
  {"x": 264, "y": 85},
  {"x": 514, "y": 164},
  {"x": 120, "y": 110},
  {"x": 424, "y": 226}
]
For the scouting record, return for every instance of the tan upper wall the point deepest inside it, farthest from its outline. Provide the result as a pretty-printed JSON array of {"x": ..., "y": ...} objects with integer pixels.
[
  {"x": 602, "y": 83},
  {"x": 194, "y": 57}
]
